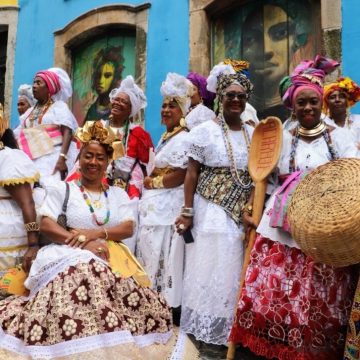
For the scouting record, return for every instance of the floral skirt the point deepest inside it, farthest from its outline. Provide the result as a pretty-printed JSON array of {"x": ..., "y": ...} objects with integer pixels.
[
  {"x": 87, "y": 312},
  {"x": 292, "y": 308}
]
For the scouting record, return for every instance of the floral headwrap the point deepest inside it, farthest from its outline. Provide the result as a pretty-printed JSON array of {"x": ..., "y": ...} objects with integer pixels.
[
  {"x": 308, "y": 74},
  {"x": 346, "y": 85},
  {"x": 227, "y": 73}
]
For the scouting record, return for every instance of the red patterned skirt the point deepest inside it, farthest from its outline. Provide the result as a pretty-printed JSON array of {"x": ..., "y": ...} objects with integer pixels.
[{"x": 292, "y": 308}]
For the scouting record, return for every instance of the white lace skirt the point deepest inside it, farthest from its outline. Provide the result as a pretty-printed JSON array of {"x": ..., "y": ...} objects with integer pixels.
[
  {"x": 212, "y": 273},
  {"x": 160, "y": 249}
]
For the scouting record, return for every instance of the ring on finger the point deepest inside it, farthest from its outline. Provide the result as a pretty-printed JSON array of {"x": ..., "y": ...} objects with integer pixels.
[
  {"x": 81, "y": 238},
  {"x": 100, "y": 250},
  {"x": 181, "y": 226}
]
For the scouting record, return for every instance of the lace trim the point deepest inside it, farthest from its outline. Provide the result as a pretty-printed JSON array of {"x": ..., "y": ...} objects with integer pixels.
[
  {"x": 17, "y": 181},
  {"x": 178, "y": 353},
  {"x": 72, "y": 347},
  {"x": 48, "y": 272}
]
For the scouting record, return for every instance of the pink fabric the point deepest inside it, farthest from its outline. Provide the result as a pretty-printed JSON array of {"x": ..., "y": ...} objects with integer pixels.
[
  {"x": 51, "y": 79},
  {"x": 311, "y": 86}
]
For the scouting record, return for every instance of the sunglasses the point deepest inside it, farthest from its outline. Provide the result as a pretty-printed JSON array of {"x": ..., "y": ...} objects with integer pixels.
[{"x": 231, "y": 95}]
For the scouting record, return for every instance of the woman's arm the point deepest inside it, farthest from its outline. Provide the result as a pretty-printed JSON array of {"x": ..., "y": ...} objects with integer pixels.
[
  {"x": 22, "y": 194},
  {"x": 191, "y": 179},
  {"x": 168, "y": 181},
  {"x": 61, "y": 162},
  {"x": 54, "y": 231}
]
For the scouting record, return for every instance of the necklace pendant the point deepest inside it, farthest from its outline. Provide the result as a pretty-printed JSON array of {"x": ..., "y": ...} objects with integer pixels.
[{"x": 97, "y": 204}]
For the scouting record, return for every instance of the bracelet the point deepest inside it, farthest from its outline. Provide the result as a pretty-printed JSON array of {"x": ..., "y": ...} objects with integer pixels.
[
  {"x": 32, "y": 226},
  {"x": 248, "y": 208},
  {"x": 63, "y": 155},
  {"x": 187, "y": 212},
  {"x": 33, "y": 245},
  {"x": 106, "y": 234},
  {"x": 157, "y": 182}
]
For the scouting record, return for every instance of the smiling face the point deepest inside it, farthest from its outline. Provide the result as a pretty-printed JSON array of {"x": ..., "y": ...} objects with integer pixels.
[
  {"x": 307, "y": 107},
  {"x": 93, "y": 161},
  {"x": 337, "y": 103},
  {"x": 40, "y": 90},
  {"x": 171, "y": 114},
  {"x": 234, "y": 101},
  {"x": 121, "y": 107}
]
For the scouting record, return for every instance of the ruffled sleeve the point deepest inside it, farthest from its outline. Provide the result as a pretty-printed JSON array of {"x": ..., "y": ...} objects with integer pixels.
[
  {"x": 60, "y": 114},
  {"x": 139, "y": 144},
  {"x": 16, "y": 168},
  {"x": 199, "y": 139},
  {"x": 55, "y": 195}
]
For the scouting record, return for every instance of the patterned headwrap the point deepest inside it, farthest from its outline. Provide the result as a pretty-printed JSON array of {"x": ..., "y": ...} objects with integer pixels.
[
  {"x": 200, "y": 82},
  {"x": 345, "y": 85},
  {"x": 309, "y": 74},
  {"x": 51, "y": 79},
  {"x": 179, "y": 88}
]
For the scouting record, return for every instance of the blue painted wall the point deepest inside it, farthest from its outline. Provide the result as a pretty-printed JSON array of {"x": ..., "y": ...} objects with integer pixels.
[
  {"x": 167, "y": 44},
  {"x": 350, "y": 41}
]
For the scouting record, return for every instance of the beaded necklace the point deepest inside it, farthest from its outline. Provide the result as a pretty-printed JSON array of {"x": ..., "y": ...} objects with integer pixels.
[
  {"x": 92, "y": 211},
  {"x": 229, "y": 149},
  {"x": 295, "y": 141},
  {"x": 38, "y": 112}
]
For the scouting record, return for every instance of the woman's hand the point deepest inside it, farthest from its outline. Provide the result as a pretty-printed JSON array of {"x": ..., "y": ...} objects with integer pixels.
[
  {"x": 99, "y": 248},
  {"x": 183, "y": 223},
  {"x": 61, "y": 167},
  {"x": 29, "y": 257},
  {"x": 148, "y": 183},
  {"x": 90, "y": 236},
  {"x": 249, "y": 224}
]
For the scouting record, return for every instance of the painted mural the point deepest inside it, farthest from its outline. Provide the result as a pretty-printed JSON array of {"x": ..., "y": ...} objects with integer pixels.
[
  {"x": 98, "y": 67},
  {"x": 273, "y": 35}
]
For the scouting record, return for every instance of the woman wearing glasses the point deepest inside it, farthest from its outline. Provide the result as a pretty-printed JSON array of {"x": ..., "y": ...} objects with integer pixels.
[{"x": 217, "y": 186}]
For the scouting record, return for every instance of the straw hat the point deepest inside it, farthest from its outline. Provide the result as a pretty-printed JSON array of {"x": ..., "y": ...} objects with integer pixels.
[{"x": 324, "y": 213}]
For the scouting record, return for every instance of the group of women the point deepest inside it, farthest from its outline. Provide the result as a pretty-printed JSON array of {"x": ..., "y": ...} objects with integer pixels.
[{"x": 183, "y": 208}]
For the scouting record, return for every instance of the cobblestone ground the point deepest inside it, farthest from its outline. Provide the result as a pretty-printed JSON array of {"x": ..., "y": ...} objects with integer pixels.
[{"x": 213, "y": 352}]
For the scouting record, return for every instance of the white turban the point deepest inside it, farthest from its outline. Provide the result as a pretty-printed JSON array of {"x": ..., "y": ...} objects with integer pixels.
[
  {"x": 180, "y": 89},
  {"x": 136, "y": 95},
  {"x": 25, "y": 90},
  {"x": 65, "y": 85}
]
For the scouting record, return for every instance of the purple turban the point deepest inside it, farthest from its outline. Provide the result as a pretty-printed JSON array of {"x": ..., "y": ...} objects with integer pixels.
[{"x": 200, "y": 82}]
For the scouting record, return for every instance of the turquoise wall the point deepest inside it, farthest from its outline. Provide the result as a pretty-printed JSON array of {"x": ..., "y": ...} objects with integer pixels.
[{"x": 167, "y": 44}]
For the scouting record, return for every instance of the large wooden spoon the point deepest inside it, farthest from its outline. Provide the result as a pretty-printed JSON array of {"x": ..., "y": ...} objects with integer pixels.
[{"x": 264, "y": 155}]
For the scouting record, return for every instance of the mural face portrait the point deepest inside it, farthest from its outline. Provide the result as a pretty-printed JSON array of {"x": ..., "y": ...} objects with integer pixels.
[
  {"x": 274, "y": 36},
  {"x": 98, "y": 67}
]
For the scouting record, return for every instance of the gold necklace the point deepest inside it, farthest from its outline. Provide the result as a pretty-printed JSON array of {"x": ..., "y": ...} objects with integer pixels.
[
  {"x": 167, "y": 135},
  {"x": 317, "y": 130}
]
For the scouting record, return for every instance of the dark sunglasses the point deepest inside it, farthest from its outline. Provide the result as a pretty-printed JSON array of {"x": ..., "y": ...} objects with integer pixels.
[{"x": 231, "y": 95}]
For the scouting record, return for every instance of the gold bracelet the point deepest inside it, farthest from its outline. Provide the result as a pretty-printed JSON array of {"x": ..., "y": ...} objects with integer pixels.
[
  {"x": 248, "y": 208},
  {"x": 106, "y": 234},
  {"x": 63, "y": 155},
  {"x": 32, "y": 226},
  {"x": 158, "y": 182}
]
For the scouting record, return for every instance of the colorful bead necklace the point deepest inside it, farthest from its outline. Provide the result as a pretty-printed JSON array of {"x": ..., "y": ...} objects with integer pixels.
[
  {"x": 38, "y": 112},
  {"x": 92, "y": 211},
  {"x": 229, "y": 149}
]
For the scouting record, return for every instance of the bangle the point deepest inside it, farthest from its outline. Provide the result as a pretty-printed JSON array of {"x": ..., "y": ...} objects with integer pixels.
[
  {"x": 106, "y": 234},
  {"x": 187, "y": 211},
  {"x": 157, "y": 182},
  {"x": 63, "y": 155},
  {"x": 33, "y": 245},
  {"x": 32, "y": 226}
]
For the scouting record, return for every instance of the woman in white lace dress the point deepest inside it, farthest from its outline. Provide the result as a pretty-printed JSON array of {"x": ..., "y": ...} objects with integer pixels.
[
  {"x": 160, "y": 247},
  {"x": 46, "y": 129},
  {"x": 217, "y": 184},
  {"x": 88, "y": 296}
]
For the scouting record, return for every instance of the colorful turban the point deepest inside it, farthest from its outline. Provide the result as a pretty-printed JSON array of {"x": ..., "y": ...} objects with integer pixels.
[
  {"x": 178, "y": 88},
  {"x": 345, "y": 85},
  {"x": 309, "y": 74},
  {"x": 58, "y": 82},
  {"x": 136, "y": 95},
  {"x": 200, "y": 82}
]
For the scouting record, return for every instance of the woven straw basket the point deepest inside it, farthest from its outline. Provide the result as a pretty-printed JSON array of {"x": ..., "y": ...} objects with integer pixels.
[{"x": 324, "y": 213}]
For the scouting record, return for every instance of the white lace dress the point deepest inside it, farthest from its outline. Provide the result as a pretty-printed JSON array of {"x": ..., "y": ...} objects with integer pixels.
[
  {"x": 57, "y": 114},
  {"x": 353, "y": 126},
  {"x": 214, "y": 261},
  {"x": 15, "y": 168},
  {"x": 160, "y": 248},
  {"x": 198, "y": 115}
]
